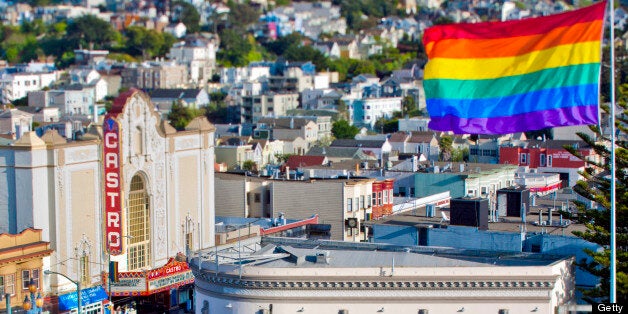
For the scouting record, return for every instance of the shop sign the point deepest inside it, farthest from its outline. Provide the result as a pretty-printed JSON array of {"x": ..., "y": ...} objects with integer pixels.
[
  {"x": 113, "y": 182},
  {"x": 131, "y": 284},
  {"x": 175, "y": 280},
  {"x": 69, "y": 301},
  {"x": 174, "y": 274}
]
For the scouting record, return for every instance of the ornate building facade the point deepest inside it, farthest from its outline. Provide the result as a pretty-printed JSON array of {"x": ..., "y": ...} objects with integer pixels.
[
  {"x": 164, "y": 186},
  {"x": 280, "y": 275}
]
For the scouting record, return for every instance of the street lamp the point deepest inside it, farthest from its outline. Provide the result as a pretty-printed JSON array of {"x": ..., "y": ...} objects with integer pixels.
[
  {"x": 77, "y": 283},
  {"x": 35, "y": 303}
]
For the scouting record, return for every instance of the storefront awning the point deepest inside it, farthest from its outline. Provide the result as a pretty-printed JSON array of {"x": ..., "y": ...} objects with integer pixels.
[
  {"x": 68, "y": 302},
  {"x": 171, "y": 276}
]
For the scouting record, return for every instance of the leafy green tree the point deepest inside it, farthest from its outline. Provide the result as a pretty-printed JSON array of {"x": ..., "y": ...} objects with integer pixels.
[
  {"x": 409, "y": 105},
  {"x": 445, "y": 144},
  {"x": 147, "y": 42},
  {"x": 596, "y": 187},
  {"x": 241, "y": 15},
  {"x": 233, "y": 48},
  {"x": 281, "y": 158},
  {"x": 180, "y": 115},
  {"x": 460, "y": 154},
  {"x": 20, "y": 101},
  {"x": 306, "y": 53},
  {"x": 357, "y": 67},
  {"x": 249, "y": 165},
  {"x": 281, "y": 44},
  {"x": 387, "y": 125},
  {"x": 341, "y": 129},
  {"x": 343, "y": 113},
  {"x": 217, "y": 111},
  {"x": 187, "y": 14},
  {"x": 91, "y": 32}
]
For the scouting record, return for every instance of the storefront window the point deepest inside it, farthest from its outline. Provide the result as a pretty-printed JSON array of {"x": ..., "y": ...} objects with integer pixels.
[{"x": 138, "y": 225}]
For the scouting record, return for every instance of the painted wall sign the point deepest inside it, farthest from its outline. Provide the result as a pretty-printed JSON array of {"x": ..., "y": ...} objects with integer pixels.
[{"x": 113, "y": 185}]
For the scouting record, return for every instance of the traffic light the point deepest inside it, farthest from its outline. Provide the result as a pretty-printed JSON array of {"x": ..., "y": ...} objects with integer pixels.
[{"x": 113, "y": 271}]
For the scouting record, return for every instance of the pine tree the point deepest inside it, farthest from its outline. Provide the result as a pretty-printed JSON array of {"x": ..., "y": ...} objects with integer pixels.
[{"x": 596, "y": 187}]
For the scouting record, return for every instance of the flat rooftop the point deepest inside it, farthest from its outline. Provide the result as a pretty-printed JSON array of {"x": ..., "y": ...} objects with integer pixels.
[
  {"x": 419, "y": 218},
  {"x": 275, "y": 252}
]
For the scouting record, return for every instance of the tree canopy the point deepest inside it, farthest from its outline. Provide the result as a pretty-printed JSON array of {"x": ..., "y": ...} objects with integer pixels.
[
  {"x": 187, "y": 14},
  {"x": 90, "y": 32},
  {"x": 180, "y": 115},
  {"x": 341, "y": 129},
  {"x": 596, "y": 187}
]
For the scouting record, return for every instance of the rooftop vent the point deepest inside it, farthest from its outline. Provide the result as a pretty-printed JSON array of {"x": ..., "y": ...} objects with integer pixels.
[{"x": 322, "y": 257}]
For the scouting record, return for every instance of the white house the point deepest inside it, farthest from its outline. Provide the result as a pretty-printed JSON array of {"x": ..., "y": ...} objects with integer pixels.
[
  {"x": 17, "y": 85},
  {"x": 366, "y": 111},
  {"x": 198, "y": 54},
  {"x": 15, "y": 122}
]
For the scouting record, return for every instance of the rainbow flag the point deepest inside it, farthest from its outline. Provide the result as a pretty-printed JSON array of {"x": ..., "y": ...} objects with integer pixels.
[{"x": 513, "y": 76}]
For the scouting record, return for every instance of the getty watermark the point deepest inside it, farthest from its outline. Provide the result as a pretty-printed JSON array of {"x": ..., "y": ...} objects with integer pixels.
[{"x": 608, "y": 308}]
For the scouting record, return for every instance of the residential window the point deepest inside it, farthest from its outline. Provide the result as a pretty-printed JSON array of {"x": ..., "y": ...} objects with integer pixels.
[
  {"x": 374, "y": 198},
  {"x": 138, "y": 224},
  {"x": 257, "y": 197},
  {"x": 8, "y": 283},
  {"x": 522, "y": 158},
  {"x": 390, "y": 196},
  {"x": 369, "y": 201},
  {"x": 361, "y": 201},
  {"x": 402, "y": 191},
  {"x": 357, "y": 201},
  {"x": 349, "y": 204},
  {"x": 385, "y": 196},
  {"x": 484, "y": 190},
  {"x": 26, "y": 278},
  {"x": 379, "y": 197},
  {"x": 542, "y": 160},
  {"x": 549, "y": 160}
]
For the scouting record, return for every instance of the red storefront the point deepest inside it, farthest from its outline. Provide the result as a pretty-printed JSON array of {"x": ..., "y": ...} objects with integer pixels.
[{"x": 382, "y": 198}]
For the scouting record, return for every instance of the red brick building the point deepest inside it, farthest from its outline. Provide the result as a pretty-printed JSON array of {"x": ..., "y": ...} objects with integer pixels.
[{"x": 382, "y": 198}]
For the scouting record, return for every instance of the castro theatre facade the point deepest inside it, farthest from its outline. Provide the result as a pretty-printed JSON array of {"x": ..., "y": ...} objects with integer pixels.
[{"x": 137, "y": 189}]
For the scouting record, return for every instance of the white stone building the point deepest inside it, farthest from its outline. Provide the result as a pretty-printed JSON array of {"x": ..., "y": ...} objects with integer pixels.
[
  {"x": 15, "y": 122},
  {"x": 198, "y": 54},
  {"x": 281, "y": 275},
  {"x": 17, "y": 85},
  {"x": 165, "y": 187}
]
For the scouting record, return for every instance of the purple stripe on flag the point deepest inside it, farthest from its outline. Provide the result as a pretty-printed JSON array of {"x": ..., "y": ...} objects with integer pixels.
[{"x": 517, "y": 123}]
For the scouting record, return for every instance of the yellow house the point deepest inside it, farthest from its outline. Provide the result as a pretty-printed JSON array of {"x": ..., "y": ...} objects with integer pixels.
[{"x": 21, "y": 258}]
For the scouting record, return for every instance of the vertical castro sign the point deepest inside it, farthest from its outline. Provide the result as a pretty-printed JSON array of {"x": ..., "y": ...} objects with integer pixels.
[{"x": 113, "y": 182}]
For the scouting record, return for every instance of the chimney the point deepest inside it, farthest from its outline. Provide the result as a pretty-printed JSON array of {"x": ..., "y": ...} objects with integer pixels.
[{"x": 540, "y": 217}]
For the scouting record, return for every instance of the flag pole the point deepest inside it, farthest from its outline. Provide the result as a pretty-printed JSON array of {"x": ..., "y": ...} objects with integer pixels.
[{"x": 613, "y": 265}]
